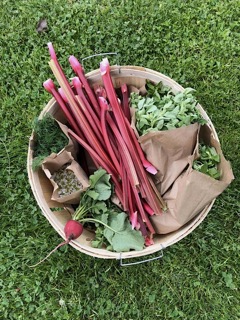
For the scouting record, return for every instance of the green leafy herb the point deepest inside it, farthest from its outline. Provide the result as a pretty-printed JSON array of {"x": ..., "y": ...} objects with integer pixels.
[
  {"x": 208, "y": 161},
  {"x": 160, "y": 109},
  {"x": 49, "y": 138},
  {"x": 113, "y": 229}
]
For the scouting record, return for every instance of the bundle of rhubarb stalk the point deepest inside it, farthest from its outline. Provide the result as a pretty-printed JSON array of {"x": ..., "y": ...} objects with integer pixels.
[{"x": 134, "y": 148}]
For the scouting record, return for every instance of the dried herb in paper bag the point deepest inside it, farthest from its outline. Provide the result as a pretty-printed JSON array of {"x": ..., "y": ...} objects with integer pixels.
[{"x": 67, "y": 177}]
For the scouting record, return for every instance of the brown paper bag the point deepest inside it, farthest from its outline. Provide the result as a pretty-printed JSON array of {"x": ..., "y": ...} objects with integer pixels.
[
  {"x": 67, "y": 177},
  {"x": 72, "y": 145},
  {"x": 193, "y": 190},
  {"x": 168, "y": 151}
]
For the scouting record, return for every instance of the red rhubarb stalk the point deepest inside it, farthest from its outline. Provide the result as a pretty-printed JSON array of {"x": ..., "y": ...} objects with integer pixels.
[
  {"x": 125, "y": 102},
  {"x": 147, "y": 165},
  {"x": 50, "y": 87},
  {"x": 142, "y": 211},
  {"x": 128, "y": 163},
  {"x": 81, "y": 120},
  {"x": 104, "y": 108},
  {"x": 79, "y": 89},
  {"x": 125, "y": 183},
  {"x": 76, "y": 66},
  {"x": 147, "y": 208},
  {"x": 120, "y": 119},
  {"x": 87, "y": 109},
  {"x": 99, "y": 160},
  {"x": 100, "y": 91}
]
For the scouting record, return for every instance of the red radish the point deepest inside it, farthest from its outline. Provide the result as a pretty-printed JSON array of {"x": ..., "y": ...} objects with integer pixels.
[{"x": 73, "y": 229}]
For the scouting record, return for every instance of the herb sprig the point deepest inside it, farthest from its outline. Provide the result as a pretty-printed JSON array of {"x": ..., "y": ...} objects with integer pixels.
[
  {"x": 208, "y": 161},
  {"x": 161, "y": 109},
  {"x": 48, "y": 138}
]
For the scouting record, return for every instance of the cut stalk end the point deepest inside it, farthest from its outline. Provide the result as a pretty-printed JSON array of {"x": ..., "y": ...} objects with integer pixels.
[
  {"x": 52, "y": 51},
  {"x": 49, "y": 85}
]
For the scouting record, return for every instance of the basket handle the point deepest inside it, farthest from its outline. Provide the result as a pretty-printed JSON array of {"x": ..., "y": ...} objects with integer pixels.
[
  {"x": 101, "y": 54},
  {"x": 122, "y": 264}
]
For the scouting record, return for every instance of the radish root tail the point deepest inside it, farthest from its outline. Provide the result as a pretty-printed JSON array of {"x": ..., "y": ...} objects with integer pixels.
[{"x": 58, "y": 246}]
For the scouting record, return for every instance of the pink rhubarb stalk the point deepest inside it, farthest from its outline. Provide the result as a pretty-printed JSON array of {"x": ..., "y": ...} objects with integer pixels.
[
  {"x": 81, "y": 120},
  {"x": 126, "y": 156},
  {"x": 147, "y": 208},
  {"x": 50, "y": 87},
  {"x": 120, "y": 120},
  {"x": 142, "y": 211},
  {"x": 104, "y": 108},
  {"x": 125, "y": 183},
  {"x": 148, "y": 241},
  {"x": 100, "y": 161},
  {"x": 77, "y": 68},
  {"x": 147, "y": 165},
  {"x": 87, "y": 109},
  {"x": 125, "y": 102},
  {"x": 100, "y": 91},
  {"x": 134, "y": 220},
  {"x": 62, "y": 94}
]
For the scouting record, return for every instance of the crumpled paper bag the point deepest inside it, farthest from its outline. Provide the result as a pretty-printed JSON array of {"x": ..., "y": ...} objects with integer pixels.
[
  {"x": 168, "y": 151},
  {"x": 72, "y": 145},
  {"x": 192, "y": 190},
  {"x": 56, "y": 162}
]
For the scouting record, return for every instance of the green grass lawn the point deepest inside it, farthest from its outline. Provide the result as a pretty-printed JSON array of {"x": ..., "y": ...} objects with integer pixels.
[{"x": 197, "y": 44}]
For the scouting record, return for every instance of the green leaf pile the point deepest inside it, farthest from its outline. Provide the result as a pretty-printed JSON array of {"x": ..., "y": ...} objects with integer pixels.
[
  {"x": 48, "y": 138},
  {"x": 116, "y": 234},
  {"x": 208, "y": 161},
  {"x": 161, "y": 109}
]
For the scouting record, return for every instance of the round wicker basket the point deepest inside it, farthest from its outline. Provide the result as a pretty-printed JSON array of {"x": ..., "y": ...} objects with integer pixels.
[{"x": 42, "y": 189}]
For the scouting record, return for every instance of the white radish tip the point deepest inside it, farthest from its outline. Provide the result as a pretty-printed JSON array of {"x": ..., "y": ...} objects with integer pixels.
[
  {"x": 75, "y": 64},
  {"x": 51, "y": 51}
]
